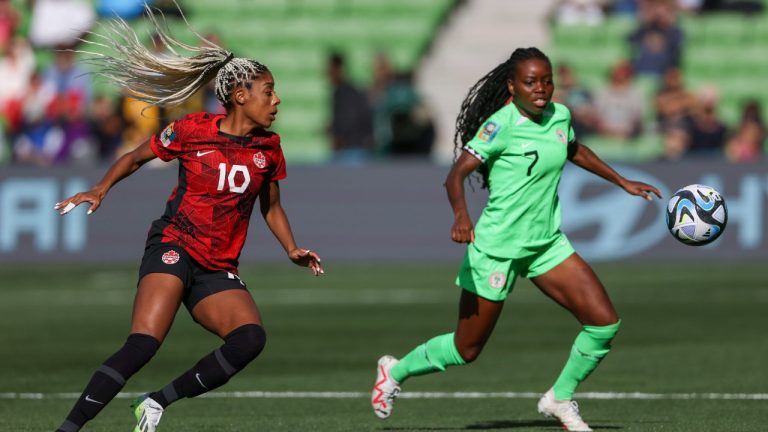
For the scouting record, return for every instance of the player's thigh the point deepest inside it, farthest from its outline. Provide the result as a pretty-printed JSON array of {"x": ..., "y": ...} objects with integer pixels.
[
  {"x": 226, "y": 310},
  {"x": 486, "y": 281},
  {"x": 477, "y": 319},
  {"x": 575, "y": 286},
  {"x": 158, "y": 297}
]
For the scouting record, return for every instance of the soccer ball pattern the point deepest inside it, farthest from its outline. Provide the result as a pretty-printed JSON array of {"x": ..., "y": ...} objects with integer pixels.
[{"x": 696, "y": 215}]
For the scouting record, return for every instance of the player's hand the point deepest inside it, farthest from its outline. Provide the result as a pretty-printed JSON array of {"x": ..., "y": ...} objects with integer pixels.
[
  {"x": 307, "y": 258},
  {"x": 66, "y": 205},
  {"x": 640, "y": 189},
  {"x": 463, "y": 231}
]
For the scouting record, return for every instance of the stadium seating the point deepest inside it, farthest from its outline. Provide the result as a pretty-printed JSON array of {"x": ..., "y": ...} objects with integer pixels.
[
  {"x": 294, "y": 37},
  {"x": 726, "y": 50}
]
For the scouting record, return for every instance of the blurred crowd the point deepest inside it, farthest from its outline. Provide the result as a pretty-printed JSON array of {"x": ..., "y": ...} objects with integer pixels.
[
  {"x": 686, "y": 121},
  {"x": 49, "y": 111},
  {"x": 389, "y": 119},
  {"x": 51, "y": 114}
]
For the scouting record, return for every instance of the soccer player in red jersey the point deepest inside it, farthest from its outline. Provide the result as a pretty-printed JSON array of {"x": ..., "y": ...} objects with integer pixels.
[{"x": 226, "y": 162}]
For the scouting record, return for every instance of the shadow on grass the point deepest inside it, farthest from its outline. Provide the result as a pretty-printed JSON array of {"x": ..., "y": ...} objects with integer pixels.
[{"x": 499, "y": 424}]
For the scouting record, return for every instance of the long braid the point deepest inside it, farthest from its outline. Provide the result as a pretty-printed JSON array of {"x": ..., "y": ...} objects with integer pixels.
[
  {"x": 169, "y": 78},
  {"x": 486, "y": 97}
]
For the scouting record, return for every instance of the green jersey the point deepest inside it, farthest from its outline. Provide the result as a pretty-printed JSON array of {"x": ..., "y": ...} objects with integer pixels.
[{"x": 525, "y": 160}]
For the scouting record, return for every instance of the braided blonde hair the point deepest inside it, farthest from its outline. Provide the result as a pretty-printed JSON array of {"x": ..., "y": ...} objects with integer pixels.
[{"x": 168, "y": 78}]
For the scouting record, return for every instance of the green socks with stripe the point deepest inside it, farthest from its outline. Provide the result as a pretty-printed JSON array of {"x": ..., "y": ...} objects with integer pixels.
[
  {"x": 435, "y": 355},
  {"x": 589, "y": 348}
]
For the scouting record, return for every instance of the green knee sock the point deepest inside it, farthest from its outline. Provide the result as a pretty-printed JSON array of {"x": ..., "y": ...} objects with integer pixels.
[
  {"x": 435, "y": 355},
  {"x": 591, "y": 345}
]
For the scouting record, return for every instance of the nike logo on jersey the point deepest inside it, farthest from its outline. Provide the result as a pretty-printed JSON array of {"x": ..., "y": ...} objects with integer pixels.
[
  {"x": 200, "y": 153},
  {"x": 88, "y": 398},
  {"x": 525, "y": 145}
]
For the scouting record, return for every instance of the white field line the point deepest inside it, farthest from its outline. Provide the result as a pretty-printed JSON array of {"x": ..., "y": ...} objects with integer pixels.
[{"x": 426, "y": 395}]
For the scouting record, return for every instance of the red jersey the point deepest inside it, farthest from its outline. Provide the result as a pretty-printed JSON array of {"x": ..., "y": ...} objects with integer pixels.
[{"x": 220, "y": 177}]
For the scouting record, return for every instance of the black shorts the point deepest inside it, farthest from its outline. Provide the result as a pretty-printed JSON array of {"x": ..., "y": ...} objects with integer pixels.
[{"x": 198, "y": 282}]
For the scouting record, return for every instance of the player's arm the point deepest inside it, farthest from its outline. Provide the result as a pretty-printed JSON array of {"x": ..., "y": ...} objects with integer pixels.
[
  {"x": 462, "y": 231},
  {"x": 277, "y": 221},
  {"x": 582, "y": 156},
  {"x": 126, "y": 165}
]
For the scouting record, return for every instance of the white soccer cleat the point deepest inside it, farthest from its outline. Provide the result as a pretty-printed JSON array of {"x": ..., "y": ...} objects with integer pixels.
[
  {"x": 386, "y": 389},
  {"x": 567, "y": 411},
  {"x": 147, "y": 412}
]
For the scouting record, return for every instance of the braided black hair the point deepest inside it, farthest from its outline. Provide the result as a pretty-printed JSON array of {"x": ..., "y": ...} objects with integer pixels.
[{"x": 486, "y": 97}]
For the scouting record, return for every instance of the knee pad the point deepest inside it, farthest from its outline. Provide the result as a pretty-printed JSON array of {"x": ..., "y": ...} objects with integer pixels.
[{"x": 243, "y": 344}]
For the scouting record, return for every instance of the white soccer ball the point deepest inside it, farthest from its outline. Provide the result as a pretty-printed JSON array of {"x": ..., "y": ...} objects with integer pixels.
[{"x": 696, "y": 215}]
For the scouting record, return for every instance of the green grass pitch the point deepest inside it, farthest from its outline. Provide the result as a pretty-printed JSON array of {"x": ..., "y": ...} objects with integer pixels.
[{"x": 688, "y": 331}]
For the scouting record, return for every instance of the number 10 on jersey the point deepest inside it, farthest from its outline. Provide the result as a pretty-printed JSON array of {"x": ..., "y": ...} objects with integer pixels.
[{"x": 231, "y": 178}]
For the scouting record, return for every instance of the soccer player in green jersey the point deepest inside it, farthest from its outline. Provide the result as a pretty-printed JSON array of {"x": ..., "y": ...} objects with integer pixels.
[{"x": 518, "y": 140}]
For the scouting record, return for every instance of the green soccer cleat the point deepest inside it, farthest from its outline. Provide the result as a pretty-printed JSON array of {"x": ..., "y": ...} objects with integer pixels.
[{"x": 147, "y": 412}]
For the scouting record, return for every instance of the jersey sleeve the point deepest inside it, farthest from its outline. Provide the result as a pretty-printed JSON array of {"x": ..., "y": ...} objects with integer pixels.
[
  {"x": 571, "y": 133},
  {"x": 486, "y": 143},
  {"x": 563, "y": 110},
  {"x": 278, "y": 172},
  {"x": 167, "y": 145}
]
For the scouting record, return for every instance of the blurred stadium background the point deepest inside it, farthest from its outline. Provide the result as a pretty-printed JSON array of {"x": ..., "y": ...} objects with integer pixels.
[{"x": 692, "y": 351}]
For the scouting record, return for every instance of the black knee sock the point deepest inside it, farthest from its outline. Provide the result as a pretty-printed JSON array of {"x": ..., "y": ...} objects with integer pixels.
[
  {"x": 109, "y": 378},
  {"x": 240, "y": 347}
]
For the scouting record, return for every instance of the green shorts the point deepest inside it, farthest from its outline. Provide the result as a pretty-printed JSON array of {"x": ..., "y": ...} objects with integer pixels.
[{"x": 493, "y": 278}]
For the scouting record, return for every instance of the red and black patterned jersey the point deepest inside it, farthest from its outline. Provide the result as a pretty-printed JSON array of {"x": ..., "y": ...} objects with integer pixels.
[{"x": 220, "y": 176}]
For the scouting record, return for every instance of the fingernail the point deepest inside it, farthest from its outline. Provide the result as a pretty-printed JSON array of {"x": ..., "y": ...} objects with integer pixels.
[{"x": 89, "y": 211}]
